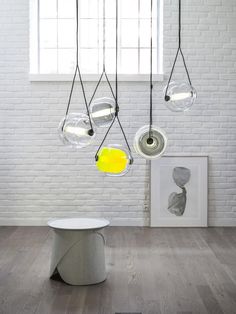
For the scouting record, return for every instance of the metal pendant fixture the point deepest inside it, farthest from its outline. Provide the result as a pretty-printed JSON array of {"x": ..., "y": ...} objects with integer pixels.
[
  {"x": 150, "y": 141},
  {"x": 179, "y": 96},
  {"x": 114, "y": 159},
  {"x": 102, "y": 110},
  {"x": 150, "y": 146},
  {"x": 76, "y": 130}
]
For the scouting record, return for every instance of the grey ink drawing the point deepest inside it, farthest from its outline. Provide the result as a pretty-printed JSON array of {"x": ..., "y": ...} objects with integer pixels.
[{"x": 177, "y": 201}]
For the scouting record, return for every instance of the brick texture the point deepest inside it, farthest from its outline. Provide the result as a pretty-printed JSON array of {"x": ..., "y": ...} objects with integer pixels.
[{"x": 42, "y": 179}]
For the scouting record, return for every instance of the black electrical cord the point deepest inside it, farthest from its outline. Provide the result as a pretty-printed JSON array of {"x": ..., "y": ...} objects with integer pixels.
[
  {"x": 150, "y": 140},
  {"x": 115, "y": 96},
  {"x": 179, "y": 50},
  {"x": 77, "y": 69},
  {"x": 104, "y": 59}
]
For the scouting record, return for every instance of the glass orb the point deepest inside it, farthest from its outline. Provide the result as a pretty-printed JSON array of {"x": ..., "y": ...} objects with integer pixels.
[
  {"x": 114, "y": 160},
  {"x": 102, "y": 111},
  {"x": 75, "y": 130},
  {"x": 180, "y": 96},
  {"x": 150, "y": 147}
]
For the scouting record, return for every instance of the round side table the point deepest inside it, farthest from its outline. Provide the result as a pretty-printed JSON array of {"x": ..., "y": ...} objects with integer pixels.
[{"x": 78, "y": 250}]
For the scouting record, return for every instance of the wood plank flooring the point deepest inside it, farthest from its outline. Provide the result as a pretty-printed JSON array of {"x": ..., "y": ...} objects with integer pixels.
[{"x": 150, "y": 271}]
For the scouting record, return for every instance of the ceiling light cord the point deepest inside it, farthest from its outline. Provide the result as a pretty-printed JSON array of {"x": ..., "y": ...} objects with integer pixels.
[
  {"x": 117, "y": 106},
  {"x": 115, "y": 95},
  {"x": 179, "y": 50},
  {"x": 104, "y": 73},
  {"x": 77, "y": 69},
  {"x": 151, "y": 82}
]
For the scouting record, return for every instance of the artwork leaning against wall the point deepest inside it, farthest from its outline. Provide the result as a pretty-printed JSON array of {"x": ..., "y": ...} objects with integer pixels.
[{"x": 179, "y": 192}]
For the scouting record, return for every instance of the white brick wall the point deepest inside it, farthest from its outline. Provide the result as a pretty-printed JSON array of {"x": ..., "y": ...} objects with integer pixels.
[{"x": 41, "y": 179}]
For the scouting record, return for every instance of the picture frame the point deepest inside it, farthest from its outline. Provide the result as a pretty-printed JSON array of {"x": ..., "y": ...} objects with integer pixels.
[{"x": 179, "y": 191}]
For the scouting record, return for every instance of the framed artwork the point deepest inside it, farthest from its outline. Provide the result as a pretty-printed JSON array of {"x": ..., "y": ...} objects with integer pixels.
[{"x": 179, "y": 193}]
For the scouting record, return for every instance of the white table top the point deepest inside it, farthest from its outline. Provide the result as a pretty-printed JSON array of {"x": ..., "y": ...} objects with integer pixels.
[{"x": 78, "y": 223}]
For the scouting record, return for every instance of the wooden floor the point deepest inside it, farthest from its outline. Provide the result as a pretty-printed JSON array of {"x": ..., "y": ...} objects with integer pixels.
[{"x": 150, "y": 271}]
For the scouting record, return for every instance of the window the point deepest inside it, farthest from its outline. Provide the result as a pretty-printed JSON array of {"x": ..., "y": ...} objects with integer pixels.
[{"x": 53, "y": 43}]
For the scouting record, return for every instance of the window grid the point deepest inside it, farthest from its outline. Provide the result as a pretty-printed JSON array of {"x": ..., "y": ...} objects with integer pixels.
[{"x": 98, "y": 47}]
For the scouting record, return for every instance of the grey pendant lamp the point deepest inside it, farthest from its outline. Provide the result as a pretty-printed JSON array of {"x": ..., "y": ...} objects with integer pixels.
[
  {"x": 150, "y": 141},
  {"x": 76, "y": 129},
  {"x": 179, "y": 95}
]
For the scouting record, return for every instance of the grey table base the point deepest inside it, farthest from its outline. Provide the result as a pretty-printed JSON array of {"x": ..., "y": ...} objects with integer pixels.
[{"x": 78, "y": 257}]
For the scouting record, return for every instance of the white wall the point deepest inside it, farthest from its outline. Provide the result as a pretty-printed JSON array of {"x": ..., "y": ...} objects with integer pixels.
[{"x": 41, "y": 179}]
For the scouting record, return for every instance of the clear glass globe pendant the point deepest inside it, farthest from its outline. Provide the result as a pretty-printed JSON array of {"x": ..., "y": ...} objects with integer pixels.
[
  {"x": 102, "y": 111},
  {"x": 150, "y": 145},
  {"x": 75, "y": 130},
  {"x": 179, "y": 96}
]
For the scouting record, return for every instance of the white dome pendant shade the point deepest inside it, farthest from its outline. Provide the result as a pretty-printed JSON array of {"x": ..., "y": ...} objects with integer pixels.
[
  {"x": 180, "y": 96},
  {"x": 150, "y": 141},
  {"x": 102, "y": 111},
  {"x": 75, "y": 130},
  {"x": 150, "y": 145}
]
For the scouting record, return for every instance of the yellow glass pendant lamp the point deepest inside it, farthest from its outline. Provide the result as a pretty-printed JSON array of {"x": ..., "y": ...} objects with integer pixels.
[{"x": 113, "y": 160}]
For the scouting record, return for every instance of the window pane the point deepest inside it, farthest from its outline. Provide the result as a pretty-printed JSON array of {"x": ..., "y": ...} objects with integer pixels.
[
  {"x": 110, "y": 60},
  {"x": 154, "y": 33},
  {"x": 66, "y": 60},
  {"x": 48, "y": 33},
  {"x": 128, "y": 8},
  {"x": 57, "y": 30},
  {"x": 129, "y": 33},
  {"x": 88, "y": 60},
  {"x": 145, "y": 9},
  {"x": 66, "y": 33},
  {"x": 48, "y": 61},
  {"x": 88, "y": 8},
  {"x": 66, "y": 9},
  {"x": 129, "y": 61},
  {"x": 145, "y": 33},
  {"x": 88, "y": 33},
  {"x": 145, "y": 61},
  {"x": 48, "y": 8},
  {"x": 110, "y": 9},
  {"x": 110, "y": 33}
]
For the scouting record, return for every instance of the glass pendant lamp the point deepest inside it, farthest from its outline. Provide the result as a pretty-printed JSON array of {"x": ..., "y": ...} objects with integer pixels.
[
  {"x": 179, "y": 96},
  {"x": 102, "y": 110},
  {"x": 150, "y": 146},
  {"x": 150, "y": 141},
  {"x": 76, "y": 129},
  {"x": 113, "y": 159}
]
